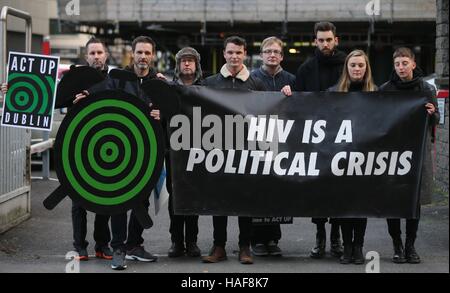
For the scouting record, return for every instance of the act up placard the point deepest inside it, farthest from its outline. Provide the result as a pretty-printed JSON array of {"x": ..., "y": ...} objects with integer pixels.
[{"x": 30, "y": 99}]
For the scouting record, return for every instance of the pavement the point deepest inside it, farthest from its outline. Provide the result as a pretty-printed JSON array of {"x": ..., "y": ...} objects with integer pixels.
[{"x": 40, "y": 244}]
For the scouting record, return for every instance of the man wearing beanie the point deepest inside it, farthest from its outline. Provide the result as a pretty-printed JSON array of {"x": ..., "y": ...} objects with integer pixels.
[
  {"x": 187, "y": 69},
  {"x": 187, "y": 72}
]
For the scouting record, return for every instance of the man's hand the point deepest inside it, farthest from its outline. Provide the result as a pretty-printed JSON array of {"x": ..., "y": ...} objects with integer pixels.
[
  {"x": 81, "y": 96},
  {"x": 154, "y": 113},
  {"x": 4, "y": 88},
  {"x": 286, "y": 90},
  {"x": 161, "y": 76},
  {"x": 430, "y": 108}
]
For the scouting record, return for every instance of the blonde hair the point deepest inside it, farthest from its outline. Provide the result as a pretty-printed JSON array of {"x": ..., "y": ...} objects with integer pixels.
[
  {"x": 344, "y": 81},
  {"x": 271, "y": 40}
]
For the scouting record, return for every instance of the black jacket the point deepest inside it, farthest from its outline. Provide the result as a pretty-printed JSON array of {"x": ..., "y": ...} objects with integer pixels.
[
  {"x": 219, "y": 81},
  {"x": 277, "y": 82},
  {"x": 320, "y": 72},
  {"x": 130, "y": 83},
  {"x": 417, "y": 84}
]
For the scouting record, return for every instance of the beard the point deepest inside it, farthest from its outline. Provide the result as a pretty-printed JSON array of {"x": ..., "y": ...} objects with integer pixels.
[{"x": 142, "y": 66}]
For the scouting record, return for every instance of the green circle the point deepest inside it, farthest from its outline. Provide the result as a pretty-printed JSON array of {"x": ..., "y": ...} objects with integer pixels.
[
  {"x": 36, "y": 96},
  {"x": 22, "y": 98},
  {"x": 127, "y": 152},
  {"x": 108, "y": 187},
  {"x": 70, "y": 134},
  {"x": 19, "y": 85},
  {"x": 109, "y": 146}
]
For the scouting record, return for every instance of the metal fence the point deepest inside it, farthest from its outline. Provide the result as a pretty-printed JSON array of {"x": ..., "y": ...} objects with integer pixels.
[{"x": 15, "y": 183}]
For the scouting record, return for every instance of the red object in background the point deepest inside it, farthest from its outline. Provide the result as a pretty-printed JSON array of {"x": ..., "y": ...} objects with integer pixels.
[
  {"x": 46, "y": 47},
  {"x": 443, "y": 94}
]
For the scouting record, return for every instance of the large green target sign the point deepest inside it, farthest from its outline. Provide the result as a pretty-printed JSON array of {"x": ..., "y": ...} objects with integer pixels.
[
  {"x": 109, "y": 154},
  {"x": 30, "y": 98}
]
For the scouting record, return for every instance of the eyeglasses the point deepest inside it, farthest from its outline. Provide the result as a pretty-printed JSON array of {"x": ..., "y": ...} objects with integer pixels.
[{"x": 269, "y": 52}]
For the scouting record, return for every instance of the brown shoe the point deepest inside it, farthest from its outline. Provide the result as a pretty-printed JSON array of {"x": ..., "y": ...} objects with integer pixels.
[
  {"x": 217, "y": 254},
  {"x": 244, "y": 255}
]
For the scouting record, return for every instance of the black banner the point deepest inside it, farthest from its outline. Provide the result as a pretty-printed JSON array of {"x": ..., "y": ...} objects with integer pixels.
[{"x": 325, "y": 154}]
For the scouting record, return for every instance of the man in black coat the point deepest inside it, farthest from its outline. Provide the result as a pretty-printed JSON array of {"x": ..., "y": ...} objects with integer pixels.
[
  {"x": 319, "y": 73},
  {"x": 408, "y": 77},
  {"x": 233, "y": 74}
]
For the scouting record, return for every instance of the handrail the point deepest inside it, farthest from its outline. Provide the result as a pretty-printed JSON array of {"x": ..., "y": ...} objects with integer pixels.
[{"x": 4, "y": 29}]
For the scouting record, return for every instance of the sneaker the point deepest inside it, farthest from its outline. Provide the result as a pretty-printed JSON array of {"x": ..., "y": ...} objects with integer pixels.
[
  {"x": 273, "y": 249},
  {"x": 192, "y": 249},
  {"x": 118, "y": 260},
  {"x": 176, "y": 250},
  {"x": 104, "y": 253},
  {"x": 82, "y": 254},
  {"x": 260, "y": 249},
  {"x": 139, "y": 253}
]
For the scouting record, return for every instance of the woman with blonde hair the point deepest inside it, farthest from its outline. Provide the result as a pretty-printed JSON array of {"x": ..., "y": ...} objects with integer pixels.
[{"x": 356, "y": 76}]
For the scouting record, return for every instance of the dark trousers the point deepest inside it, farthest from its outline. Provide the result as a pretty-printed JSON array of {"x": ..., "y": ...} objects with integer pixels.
[
  {"x": 265, "y": 233},
  {"x": 322, "y": 221},
  {"x": 412, "y": 225},
  {"x": 179, "y": 222},
  {"x": 102, "y": 235},
  {"x": 353, "y": 230},
  {"x": 220, "y": 230},
  {"x": 119, "y": 230}
]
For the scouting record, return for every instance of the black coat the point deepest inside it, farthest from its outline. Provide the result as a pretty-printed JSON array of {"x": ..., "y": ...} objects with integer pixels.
[
  {"x": 277, "y": 82},
  {"x": 219, "y": 81},
  {"x": 318, "y": 73},
  {"x": 418, "y": 84},
  {"x": 131, "y": 85}
]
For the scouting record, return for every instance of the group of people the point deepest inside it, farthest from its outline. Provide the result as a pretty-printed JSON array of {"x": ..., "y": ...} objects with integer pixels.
[{"x": 328, "y": 70}]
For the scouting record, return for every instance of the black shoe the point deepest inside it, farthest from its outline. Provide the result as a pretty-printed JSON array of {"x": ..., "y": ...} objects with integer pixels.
[
  {"x": 260, "y": 249},
  {"x": 273, "y": 249},
  {"x": 410, "y": 252},
  {"x": 358, "y": 257},
  {"x": 82, "y": 254},
  {"x": 336, "y": 248},
  {"x": 139, "y": 253},
  {"x": 399, "y": 252},
  {"x": 118, "y": 260},
  {"x": 192, "y": 249},
  {"x": 347, "y": 256},
  {"x": 176, "y": 250},
  {"x": 319, "y": 250},
  {"x": 104, "y": 252}
]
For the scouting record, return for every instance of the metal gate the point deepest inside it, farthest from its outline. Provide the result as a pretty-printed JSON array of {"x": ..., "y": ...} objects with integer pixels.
[{"x": 15, "y": 179}]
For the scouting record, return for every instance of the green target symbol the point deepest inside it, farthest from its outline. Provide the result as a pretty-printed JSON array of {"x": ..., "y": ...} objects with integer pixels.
[
  {"x": 30, "y": 93},
  {"x": 109, "y": 154}
]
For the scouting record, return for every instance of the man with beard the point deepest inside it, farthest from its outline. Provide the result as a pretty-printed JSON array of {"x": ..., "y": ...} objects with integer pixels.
[
  {"x": 319, "y": 73},
  {"x": 144, "y": 49}
]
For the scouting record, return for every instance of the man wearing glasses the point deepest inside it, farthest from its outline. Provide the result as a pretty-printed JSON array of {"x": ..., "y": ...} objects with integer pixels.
[{"x": 265, "y": 237}]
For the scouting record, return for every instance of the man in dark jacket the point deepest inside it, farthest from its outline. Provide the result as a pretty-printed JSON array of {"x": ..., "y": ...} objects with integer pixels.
[
  {"x": 233, "y": 74},
  {"x": 318, "y": 74},
  {"x": 408, "y": 77},
  {"x": 322, "y": 71},
  {"x": 144, "y": 49},
  {"x": 265, "y": 237},
  {"x": 96, "y": 57},
  {"x": 187, "y": 72}
]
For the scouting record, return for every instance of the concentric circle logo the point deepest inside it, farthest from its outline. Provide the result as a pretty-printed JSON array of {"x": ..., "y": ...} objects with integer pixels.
[
  {"x": 109, "y": 152},
  {"x": 31, "y": 93}
]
